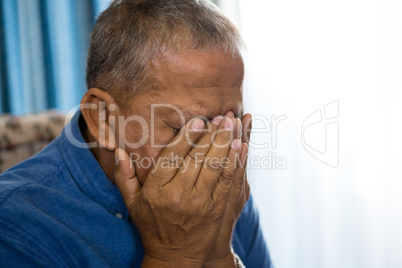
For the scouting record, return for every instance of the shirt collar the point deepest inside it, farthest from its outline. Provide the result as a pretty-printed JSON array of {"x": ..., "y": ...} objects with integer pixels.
[{"x": 87, "y": 172}]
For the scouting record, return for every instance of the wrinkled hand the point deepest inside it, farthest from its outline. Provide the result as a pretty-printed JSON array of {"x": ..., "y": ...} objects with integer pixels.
[
  {"x": 221, "y": 255},
  {"x": 180, "y": 208}
]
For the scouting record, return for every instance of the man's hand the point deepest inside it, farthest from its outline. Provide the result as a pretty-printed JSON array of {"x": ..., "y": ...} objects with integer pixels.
[
  {"x": 179, "y": 210},
  {"x": 222, "y": 255}
]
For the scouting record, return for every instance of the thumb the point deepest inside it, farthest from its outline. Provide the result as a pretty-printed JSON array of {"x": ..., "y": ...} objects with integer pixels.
[{"x": 125, "y": 177}]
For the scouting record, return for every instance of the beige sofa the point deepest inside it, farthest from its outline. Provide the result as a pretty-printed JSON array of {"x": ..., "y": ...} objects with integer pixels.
[{"x": 22, "y": 137}]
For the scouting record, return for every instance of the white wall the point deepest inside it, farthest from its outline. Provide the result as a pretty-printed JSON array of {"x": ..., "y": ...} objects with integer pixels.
[{"x": 303, "y": 55}]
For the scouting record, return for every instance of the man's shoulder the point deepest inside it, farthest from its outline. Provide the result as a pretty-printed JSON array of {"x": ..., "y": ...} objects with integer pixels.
[
  {"x": 39, "y": 200},
  {"x": 35, "y": 172},
  {"x": 249, "y": 212},
  {"x": 249, "y": 241}
]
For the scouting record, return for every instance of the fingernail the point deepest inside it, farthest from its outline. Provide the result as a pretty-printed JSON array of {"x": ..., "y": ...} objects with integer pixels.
[
  {"x": 217, "y": 120},
  {"x": 236, "y": 144},
  {"x": 198, "y": 125},
  {"x": 229, "y": 114},
  {"x": 228, "y": 124}
]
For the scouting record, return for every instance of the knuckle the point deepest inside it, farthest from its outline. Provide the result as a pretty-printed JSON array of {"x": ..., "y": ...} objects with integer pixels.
[
  {"x": 195, "y": 158},
  {"x": 224, "y": 185},
  {"x": 217, "y": 212},
  {"x": 119, "y": 172},
  {"x": 176, "y": 198},
  {"x": 193, "y": 154},
  {"x": 240, "y": 180},
  {"x": 227, "y": 173},
  {"x": 215, "y": 209},
  {"x": 223, "y": 139},
  {"x": 195, "y": 199},
  {"x": 173, "y": 158},
  {"x": 148, "y": 200}
]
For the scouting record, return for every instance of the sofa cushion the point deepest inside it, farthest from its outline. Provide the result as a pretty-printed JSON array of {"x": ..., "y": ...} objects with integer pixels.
[{"x": 22, "y": 137}]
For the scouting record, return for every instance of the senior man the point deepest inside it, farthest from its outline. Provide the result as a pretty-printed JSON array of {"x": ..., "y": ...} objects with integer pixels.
[{"x": 151, "y": 171}]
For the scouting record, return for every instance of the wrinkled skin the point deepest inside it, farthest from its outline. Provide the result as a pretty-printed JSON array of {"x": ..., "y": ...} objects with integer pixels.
[{"x": 185, "y": 213}]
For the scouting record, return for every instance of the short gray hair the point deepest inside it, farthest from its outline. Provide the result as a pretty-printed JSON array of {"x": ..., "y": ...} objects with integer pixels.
[{"x": 131, "y": 33}]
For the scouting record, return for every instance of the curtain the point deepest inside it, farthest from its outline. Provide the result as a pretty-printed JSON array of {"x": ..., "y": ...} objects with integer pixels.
[
  {"x": 43, "y": 51},
  {"x": 324, "y": 83}
]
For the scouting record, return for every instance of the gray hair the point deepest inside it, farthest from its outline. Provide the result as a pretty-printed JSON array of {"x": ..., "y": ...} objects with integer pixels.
[{"x": 132, "y": 33}]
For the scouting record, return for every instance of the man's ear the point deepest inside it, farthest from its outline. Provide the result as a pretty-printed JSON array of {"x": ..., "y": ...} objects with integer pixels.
[{"x": 100, "y": 111}]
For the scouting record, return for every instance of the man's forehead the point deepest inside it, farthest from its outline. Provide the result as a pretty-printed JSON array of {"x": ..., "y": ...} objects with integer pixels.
[
  {"x": 204, "y": 84},
  {"x": 206, "y": 69}
]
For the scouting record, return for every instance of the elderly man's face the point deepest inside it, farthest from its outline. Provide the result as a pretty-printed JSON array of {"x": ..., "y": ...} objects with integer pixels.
[{"x": 188, "y": 84}]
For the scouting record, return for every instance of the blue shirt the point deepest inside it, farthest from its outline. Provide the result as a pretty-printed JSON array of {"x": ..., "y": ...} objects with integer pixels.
[{"x": 58, "y": 209}]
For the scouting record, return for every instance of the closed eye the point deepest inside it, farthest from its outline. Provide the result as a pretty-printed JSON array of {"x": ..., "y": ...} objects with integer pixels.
[{"x": 175, "y": 130}]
